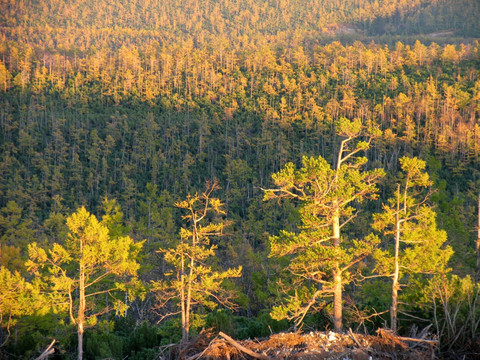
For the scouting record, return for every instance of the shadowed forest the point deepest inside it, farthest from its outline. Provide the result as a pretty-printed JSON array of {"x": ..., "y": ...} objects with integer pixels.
[{"x": 245, "y": 167}]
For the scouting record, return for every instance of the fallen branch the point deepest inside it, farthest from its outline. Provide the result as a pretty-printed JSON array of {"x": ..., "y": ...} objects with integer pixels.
[
  {"x": 354, "y": 338},
  {"x": 387, "y": 334},
  {"x": 243, "y": 348},
  {"x": 199, "y": 355},
  {"x": 196, "y": 356},
  {"x": 48, "y": 351},
  {"x": 431, "y": 342},
  {"x": 392, "y": 337}
]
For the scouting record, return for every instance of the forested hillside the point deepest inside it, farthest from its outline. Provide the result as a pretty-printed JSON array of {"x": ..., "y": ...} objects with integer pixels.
[{"x": 318, "y": 163}]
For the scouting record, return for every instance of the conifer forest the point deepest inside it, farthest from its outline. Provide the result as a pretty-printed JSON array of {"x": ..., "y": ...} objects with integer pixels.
[{"x": 175, "y": 167}]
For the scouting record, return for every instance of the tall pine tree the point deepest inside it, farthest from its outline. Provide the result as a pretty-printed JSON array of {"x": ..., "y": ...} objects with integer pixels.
[{"x": 321, "y": 258}]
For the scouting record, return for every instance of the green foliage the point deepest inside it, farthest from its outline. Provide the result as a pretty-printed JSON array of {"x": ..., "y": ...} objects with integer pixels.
[
  {"x": 90, "y": 244},
  {"x": 18, "y": 298},
  {"x": 121, "y": 338},
  {"x": 147, "y": 117},
  {"x": 423, "y": 250},
  {"x": 92, "y": 263},
  {"x": 193, "y": 282},
  {"x": 376, "y": 295},
  {"x": 170, "y": 331},
  {"x": 113, "y": 219},
  {"x": 15, "y": 234},
  {"x": 418, "y": 246},
  {"x": 101, "y": 344},
  {"x": 318, "y": 255},
  {"x": 242, "y": 327},
  {"x": 156, "y": 221},
  {"x": 34, "y": 334},
  {"x": 453, "y": 301}
]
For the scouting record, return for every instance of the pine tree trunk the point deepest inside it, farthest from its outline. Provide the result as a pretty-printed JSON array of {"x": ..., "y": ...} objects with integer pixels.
[
  {"x": 337, "y": 280},
  {"x": 80, "y": 341},
  {"x": 393, "y": 309},
  {"x": 188, "y": 304},
  {"x": 184, "y": 318},
  {"x": 337, "y": 301},
  {"x": 183, "y": 303},
  {"x": 81, "y": 311},
  {"x": 396, "y": 267},
  {"x": 188, "y": 295}
]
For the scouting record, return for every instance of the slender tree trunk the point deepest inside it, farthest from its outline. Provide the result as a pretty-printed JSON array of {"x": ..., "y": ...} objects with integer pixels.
[
  {"x": 189, "y": 302},
  {"x": 80, "y": 341},
  {"x": 188, "y": 295},
  {"x": 337, "y": 280},
  {"x": 190, "y": 278},
  {"x": 396, "y": 269},
  {"x": 81, "y": 311},
  {"x": 182, "y": 302},
  {"x": 337, "y": 301},
  {"x": 393, "y": 309}
]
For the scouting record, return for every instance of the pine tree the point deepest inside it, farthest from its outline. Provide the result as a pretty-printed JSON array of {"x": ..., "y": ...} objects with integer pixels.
[
  {"x": 319, "y": 255},
  {"x": 193, "y": 282},
  {"x": 418, "y": 244},
  {"x": 91, "y": 263},
  {"x": 17, "y": 298}
]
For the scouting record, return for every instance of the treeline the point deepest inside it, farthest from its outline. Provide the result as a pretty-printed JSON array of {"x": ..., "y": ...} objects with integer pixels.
[
  {"x": 109, "y": 123},
  {"x": 77, "y": 26}
]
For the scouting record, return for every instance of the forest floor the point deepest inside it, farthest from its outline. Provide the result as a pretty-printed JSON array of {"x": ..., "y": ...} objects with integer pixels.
[{"x": 314, "y": 345}]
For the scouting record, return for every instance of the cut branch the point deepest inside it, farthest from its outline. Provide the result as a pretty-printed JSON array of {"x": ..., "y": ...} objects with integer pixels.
[
  {"x": 243, "y": 348},
  {"x": 48, "y": 351}
]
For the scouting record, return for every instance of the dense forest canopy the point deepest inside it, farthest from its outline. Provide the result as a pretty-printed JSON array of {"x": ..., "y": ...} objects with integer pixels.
[
  {"x": 128, "y": 108},
  {"x": 76, "y": 26}
]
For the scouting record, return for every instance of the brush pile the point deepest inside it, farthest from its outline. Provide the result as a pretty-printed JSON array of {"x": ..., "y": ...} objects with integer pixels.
[{"x": 315, "y": 345}]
